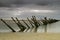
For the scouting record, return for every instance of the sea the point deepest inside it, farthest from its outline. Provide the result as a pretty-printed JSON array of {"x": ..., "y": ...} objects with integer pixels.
[{"x": 51, "y": 28}]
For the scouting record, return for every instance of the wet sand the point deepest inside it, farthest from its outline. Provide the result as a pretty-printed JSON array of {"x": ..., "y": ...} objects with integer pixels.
[{"x": 29, "y": 36}]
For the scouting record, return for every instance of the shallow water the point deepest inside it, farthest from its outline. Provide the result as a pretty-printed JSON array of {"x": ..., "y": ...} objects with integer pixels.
[{"x": 53, "y": 28}]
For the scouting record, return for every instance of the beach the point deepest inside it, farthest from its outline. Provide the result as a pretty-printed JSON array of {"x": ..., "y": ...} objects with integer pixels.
[{"x": 29, "y": 36}]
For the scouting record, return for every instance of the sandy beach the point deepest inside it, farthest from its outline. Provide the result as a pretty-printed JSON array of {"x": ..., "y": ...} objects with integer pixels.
[{"x": 29, "y": 36}]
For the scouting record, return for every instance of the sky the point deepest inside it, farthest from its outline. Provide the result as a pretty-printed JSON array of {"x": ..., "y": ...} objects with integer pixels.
[
  {"x": 23, "y": 2},
  {"x": 28, "y": 8}
]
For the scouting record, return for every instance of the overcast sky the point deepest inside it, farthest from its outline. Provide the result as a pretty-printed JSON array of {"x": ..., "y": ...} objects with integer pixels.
[
  {"x": 27, "y": 8},
  {"x": 37, "y": 2}
]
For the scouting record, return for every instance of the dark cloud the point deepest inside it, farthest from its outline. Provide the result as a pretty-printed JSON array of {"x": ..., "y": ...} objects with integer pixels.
[{"x": 23, "y": 2}]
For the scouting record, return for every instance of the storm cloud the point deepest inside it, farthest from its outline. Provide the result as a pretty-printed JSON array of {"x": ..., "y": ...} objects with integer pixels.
[
  {"x": 8, "y": 3},
  {"x": 15, "y": 8}
]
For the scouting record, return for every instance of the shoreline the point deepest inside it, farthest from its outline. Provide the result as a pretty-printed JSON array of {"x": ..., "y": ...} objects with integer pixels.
[{"x": 29, "y": 36}]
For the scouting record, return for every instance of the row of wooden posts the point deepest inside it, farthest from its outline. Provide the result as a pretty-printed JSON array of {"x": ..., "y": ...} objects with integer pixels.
[{"x": 33, "y": 22}]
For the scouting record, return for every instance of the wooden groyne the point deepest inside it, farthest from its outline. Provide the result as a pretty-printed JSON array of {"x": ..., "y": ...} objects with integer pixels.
[{"x": 34, "y": 22}]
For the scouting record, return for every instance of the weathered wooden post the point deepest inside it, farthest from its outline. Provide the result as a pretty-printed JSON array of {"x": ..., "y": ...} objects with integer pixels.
[
  {"x": 21, "y": 25},
  {"x": 8, "y": 25},
  {"x": 30, "y": 23},
  {"x": 35, "y": 23},
  {"x": 16, "y": 22},
  {"x": 18, "y": 25},
  {"x": 45, "y": 22},
  {"x": 28, "y": 27}
]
